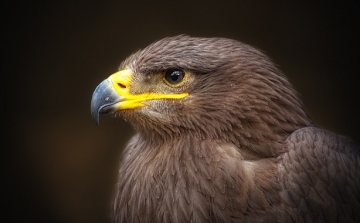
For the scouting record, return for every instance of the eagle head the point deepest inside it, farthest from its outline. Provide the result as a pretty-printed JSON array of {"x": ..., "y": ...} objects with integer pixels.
[{"x": 209, "y": 88}]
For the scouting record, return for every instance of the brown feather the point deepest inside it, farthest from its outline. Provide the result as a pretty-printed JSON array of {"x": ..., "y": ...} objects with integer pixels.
[
  {"x": 316, "y": 178},
  {"x": 240, "y": 148}
]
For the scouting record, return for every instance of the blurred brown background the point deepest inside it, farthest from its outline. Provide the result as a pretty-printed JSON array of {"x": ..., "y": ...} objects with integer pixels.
[{"x": 59, "y": 166}]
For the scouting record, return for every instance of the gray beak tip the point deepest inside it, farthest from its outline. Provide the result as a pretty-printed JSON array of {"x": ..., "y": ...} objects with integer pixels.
[{"x": 103, "y": 100}]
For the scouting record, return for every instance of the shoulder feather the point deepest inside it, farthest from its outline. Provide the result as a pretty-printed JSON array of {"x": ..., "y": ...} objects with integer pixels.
[{"x": 319, "y": 177}]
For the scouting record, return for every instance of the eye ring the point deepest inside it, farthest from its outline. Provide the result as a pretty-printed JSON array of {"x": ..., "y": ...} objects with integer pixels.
[{"x": 175, "y": 77}]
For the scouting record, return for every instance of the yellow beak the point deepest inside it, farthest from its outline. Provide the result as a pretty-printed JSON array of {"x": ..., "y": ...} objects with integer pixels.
[{"x": 113, "y": 94}]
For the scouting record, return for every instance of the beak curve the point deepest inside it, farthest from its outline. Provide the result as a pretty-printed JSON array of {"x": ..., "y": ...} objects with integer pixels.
[
  {"x": 113, "y": 94},
  {"x": 104, "y": 100}
]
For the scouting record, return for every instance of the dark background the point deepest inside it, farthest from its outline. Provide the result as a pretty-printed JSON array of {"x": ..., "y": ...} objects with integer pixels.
[{"x": 60, "y": 166}]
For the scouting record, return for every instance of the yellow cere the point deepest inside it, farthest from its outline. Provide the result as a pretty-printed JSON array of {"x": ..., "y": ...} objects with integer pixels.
[{"x": 121, "y": 82}]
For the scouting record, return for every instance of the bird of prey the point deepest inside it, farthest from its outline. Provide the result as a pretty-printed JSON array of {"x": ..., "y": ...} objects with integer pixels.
[{"x": 222, "y": 136}]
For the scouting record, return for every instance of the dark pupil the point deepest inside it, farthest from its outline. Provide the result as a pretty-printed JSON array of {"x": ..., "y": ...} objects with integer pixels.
[{"x": 174, "y": 76}]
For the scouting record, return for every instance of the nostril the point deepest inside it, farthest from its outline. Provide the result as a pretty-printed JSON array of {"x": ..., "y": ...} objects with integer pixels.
[{"x": 121, "y": 85}]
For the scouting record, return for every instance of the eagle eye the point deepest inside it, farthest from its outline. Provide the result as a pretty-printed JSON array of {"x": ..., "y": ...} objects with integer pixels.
[{"x": 174, "y": 77}]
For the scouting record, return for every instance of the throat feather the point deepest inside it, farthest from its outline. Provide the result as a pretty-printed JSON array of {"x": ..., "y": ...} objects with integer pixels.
[{"x": 181, "y": 176}]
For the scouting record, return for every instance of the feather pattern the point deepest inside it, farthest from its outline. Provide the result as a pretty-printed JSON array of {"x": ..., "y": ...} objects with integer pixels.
[
  {"x": 239, "y": 148},
  {"x": 319, "y": 178}
]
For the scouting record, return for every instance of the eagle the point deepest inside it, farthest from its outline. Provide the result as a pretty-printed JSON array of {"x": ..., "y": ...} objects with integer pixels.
[{"x": 222, "y": 136}]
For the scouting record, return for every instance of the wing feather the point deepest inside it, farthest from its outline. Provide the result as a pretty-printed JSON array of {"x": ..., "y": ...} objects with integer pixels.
[{"x": 319, "y": 177}]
